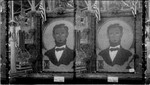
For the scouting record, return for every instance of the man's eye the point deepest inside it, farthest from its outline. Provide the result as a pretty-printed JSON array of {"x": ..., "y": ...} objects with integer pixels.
[
  {"x": 111, "y": 34},
  {"x": 56, "y": 34},
  {"x": 117, "y": 32},
  {"x": 63, "y": 33}
]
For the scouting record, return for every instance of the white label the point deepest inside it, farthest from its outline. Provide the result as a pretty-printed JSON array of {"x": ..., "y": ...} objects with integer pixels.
[
  {"x": 112, "y": 79},
  {"x": 131, "y": 70},
  {"x": 59, "y": 79},
  {"x": 149, "y": 56}
]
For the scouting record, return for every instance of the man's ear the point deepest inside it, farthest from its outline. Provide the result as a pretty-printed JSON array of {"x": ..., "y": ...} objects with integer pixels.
[
  {"x": 108, "y": 36},
  {"x": 67, "y": 34},
  {"x": 121, "y": 34},
  {"x": 149, "y": 35},
  {"x": 53, "y": 35}
]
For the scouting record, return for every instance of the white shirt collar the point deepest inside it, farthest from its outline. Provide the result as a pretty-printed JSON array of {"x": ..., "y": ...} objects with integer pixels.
[
  {"x": 64, "y": 46},
  {"x": 118, "y": 46}
]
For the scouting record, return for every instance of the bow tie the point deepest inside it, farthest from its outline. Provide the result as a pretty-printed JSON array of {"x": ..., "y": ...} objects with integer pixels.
[
  {"x": 113, "y": 49},
  {"x": 59, "y": 49}
]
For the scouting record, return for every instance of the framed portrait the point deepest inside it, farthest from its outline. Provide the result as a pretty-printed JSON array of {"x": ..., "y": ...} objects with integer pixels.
[
  {"x": 58, "y": 45},
  {"x": 115, "y": 48}
]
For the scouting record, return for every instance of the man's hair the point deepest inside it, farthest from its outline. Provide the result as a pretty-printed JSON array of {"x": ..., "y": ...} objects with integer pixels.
[
  {"x": 116, "y": 25},
  {"x": 60, "y": 26}
]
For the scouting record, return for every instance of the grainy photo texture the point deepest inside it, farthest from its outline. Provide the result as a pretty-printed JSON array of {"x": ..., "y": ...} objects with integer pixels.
[
  {"x": 114, "y": 39},
  {"x": 58, "y": 40}
]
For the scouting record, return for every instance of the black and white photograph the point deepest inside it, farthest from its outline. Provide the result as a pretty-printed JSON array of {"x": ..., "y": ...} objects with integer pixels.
[
  {"x": 115, "y": 38},
  {"x": 58, "y": 39},
  {"x": 75, "y": 41}
]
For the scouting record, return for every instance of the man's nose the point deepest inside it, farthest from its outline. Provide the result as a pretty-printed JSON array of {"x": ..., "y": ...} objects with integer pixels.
[
  {"x": 114, "y": 34},
  {"x": 60, "y": 34}
]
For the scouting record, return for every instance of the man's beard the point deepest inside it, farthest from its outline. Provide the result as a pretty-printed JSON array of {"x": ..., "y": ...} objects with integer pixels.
[
  {"x": 114, "y": 44},
  {"x": 60, "y": 44}
]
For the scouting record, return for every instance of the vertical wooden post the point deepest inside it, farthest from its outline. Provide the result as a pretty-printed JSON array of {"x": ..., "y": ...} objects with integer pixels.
[
  {"x": 33, "y": 10},
  {"x": 13, "y": 55},
  {"x": 0, "y": 32},
  {"x": 12, "y": 42}
]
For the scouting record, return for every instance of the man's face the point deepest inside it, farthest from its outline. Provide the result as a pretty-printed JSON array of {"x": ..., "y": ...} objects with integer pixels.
[
  {"x": 60, "y": 35},
  {"x": 114, "y": 35}
]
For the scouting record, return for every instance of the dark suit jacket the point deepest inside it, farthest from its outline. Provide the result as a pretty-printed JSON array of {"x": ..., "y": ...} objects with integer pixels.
[
  {"x": 66, "y": 58},
  {"x": 121, "y": 57}
]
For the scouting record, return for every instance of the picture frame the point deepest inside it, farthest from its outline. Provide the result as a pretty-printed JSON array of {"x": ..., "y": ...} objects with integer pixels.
[
  {"x": 134, "y": 42},
  {"x": 54, "y": 65}
]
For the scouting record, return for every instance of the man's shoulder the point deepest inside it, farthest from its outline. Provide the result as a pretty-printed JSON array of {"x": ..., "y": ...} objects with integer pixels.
[
  {"x": 52, "y": 49},
  {"x": 70, "y": 52},
  {"x": 103, "y": 52},
  {"x": 69, "y": 49},
  {"x": 49, "y": 51},
  {"x": 126, "y": 52}
]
